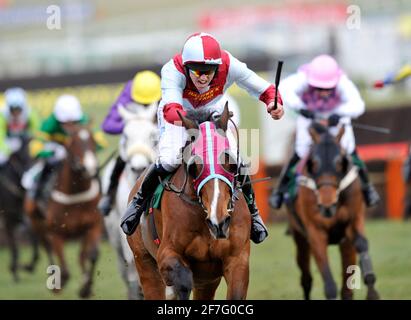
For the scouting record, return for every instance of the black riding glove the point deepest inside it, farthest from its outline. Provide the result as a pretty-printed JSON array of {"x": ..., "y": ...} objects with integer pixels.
[
  {"x": 333, "y": 120},
  {"x": 307, "y": 113}
]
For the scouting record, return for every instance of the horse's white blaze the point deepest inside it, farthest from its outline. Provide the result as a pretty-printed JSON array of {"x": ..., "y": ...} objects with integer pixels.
[
  {"x": 213, "y": 209},
  {"x": 84, "y": 134},
  {"x": 90, "y": 162}
]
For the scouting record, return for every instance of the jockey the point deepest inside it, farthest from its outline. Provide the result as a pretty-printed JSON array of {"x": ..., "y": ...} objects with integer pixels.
[
  {"x": 197, "y": 78},
  {"x": 16, "y": 120},
  {"x": 139, "y": 95},
  {"x": 320, "y": 88},
  {"x": 53, "y": 133}
]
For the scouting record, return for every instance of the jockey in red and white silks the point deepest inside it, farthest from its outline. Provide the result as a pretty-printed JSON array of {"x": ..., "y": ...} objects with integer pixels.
[
  {"x": 179, "y": 93},
  {"x": 198, "y": 78}
]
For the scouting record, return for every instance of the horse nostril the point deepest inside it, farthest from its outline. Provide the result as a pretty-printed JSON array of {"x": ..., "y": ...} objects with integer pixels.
[
  {"x": 328, "y": 211},
  {"x": 210, "y": 224},
  {"x": 224, "y": 227},
  {"x": 225, "y": 223}
]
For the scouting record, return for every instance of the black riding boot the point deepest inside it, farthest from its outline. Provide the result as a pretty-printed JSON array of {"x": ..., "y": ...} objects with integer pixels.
[
  {"x": 135, "y": 209},
  {"x": 107, "y": 201},
  {"x": 258, "y": 230},
  {"x": 277, "y": 197},
  {"x": 45, "y": 175},
  {"x": 370, "y": 194}
]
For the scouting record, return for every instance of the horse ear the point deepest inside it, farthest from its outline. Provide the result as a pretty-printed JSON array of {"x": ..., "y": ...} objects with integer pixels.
[
  {"x": 340, "y": 134},
  {"x": 314, "y": 134},
  {"x": 223, "y": 121},
  {"x": 187, "y": 123}
]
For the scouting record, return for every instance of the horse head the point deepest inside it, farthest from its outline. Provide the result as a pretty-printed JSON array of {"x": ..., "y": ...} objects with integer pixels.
[
  {"x": 140, "y": 137},
  {"x": 327, "y": 164},
  {"x": 81, "y": 150},
  {"x": 212, "y": 169}
]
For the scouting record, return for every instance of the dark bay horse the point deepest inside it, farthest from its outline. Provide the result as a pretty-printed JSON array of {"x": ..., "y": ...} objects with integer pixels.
[
  {"x": 11, "y": 204},
  {"x": 72, "y": 207},
  {"x": 330, "y": 209},
  {"x": 203, "y": 233}
]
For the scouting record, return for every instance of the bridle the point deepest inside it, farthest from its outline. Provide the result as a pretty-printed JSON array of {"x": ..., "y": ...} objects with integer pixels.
[{"x": 236, "y": 185}]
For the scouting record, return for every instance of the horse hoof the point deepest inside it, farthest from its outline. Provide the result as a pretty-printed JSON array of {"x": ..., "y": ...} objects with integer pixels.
[
  {"x": 85, "y": 292},
  {"x": 373, "y": 295},
  {"x": 28, "y": 268},
  {"x": 56, "y": 291}
]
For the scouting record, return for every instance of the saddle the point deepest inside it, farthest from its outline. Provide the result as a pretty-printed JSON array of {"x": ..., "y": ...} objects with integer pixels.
[{"x": 154, "y": 202}]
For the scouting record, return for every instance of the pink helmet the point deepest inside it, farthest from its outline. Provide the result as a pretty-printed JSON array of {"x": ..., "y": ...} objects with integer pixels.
[
  {"x": 201, "y": 48},
  {"x": 323, "y": 72}
]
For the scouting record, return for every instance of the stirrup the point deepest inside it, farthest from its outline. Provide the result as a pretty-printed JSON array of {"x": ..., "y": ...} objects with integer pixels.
[
  {"x": 371, "y": 195},
  {"x": 105, "y": 205},
  {"x": 258, "y": 229},
  {"x": 131, "y": 218},
  {"x": 276, "y": 199}
]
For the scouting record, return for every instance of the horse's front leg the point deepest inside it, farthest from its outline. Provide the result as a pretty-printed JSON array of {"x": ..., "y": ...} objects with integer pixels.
[
  {"x": 318, "y": 243},
  {"x": 175, "y": 272},
  {"x": 11, "y": 238},
  {"x": 57, "y": 242},
  {"x": 360, "y": 242},
  {"x": 35, "y": 250},
  {"x": 236, "y": 275}
]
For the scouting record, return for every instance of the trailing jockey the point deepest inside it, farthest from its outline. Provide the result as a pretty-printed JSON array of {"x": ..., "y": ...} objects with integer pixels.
[{"x": 321, "y": 89}]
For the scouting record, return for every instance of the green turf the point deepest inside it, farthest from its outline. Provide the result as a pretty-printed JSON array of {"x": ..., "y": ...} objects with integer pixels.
[{"x": 273, "y": 271}]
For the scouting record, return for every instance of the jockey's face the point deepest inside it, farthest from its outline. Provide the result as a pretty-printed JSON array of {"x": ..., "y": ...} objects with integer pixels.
[
  {"x": 201, "y": 77},
  {"x": 15, "y": 112},
  {"x": 324, "y": 93},
  {"x": 69, "y": 126}
]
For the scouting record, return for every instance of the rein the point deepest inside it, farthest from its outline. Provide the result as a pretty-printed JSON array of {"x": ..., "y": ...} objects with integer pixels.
[{"x": 344, "y": 183}]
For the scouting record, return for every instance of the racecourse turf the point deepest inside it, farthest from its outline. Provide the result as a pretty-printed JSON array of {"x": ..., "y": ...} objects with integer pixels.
[{"x": 273, "y": 271}]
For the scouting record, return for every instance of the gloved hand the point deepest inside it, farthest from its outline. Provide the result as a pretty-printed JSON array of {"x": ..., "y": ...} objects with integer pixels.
[
  {"x": 333, "y": 120},
  {"x": 307, "y": 113}
]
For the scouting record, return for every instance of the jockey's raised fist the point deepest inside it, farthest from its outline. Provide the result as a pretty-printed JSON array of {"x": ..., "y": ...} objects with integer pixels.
[{"x": 277, "y": 113}]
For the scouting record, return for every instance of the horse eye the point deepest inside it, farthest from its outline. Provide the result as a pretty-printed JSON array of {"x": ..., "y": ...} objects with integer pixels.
[
  {"x": 196, "y": 167},
  {"x": 314, "y": 165}
]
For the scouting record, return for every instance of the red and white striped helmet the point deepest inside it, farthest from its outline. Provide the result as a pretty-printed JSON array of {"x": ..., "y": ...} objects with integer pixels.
[{"x": 201, "y": 48}]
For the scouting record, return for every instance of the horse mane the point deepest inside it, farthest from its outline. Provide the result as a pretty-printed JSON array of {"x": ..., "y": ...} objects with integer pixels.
[{"x": 200, "y": 115}]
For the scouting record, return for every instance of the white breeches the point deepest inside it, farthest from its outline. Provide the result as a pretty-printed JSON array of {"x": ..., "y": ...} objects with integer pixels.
[{"x": 304, "y": 141}]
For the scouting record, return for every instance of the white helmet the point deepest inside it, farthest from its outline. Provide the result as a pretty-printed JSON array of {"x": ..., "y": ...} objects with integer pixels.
[
  {"x": 201, "y": 48},
  {"x": 15, "y": 98},
  {"x": 67, "y": 109}
]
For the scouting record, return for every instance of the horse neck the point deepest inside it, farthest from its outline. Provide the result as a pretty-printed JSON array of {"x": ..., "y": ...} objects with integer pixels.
[{"x": 70, "y": 182}]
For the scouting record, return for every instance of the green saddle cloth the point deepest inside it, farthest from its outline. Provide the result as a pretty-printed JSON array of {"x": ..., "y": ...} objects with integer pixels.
[
  {"x": 292, "y": 186},
  {"x": 155, "y": 201}
]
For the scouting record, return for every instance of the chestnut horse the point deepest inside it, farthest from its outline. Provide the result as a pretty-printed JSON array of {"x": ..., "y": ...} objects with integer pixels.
[
  {"x": 203, "y": 229},
  {"x": 72, "y": 208},
  {"x": 330, "y": 209}
]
